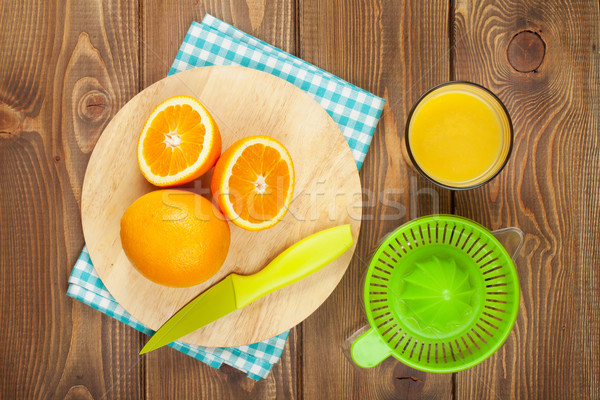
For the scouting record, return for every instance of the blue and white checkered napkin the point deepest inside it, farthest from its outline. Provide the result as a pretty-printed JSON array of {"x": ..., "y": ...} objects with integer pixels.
[{"x": 213, "y": 42}]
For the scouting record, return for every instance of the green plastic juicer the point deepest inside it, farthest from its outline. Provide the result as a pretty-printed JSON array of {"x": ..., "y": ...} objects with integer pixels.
[{"x": 441, "y": 295}]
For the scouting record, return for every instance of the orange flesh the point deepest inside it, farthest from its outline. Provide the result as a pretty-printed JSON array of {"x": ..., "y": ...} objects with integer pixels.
[
  {"x": 174, "y": 140},
  {"x": 259, "y": 182}
]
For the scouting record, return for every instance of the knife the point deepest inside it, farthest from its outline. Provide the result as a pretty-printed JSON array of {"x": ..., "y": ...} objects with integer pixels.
[{"x": 237, "y": 291}]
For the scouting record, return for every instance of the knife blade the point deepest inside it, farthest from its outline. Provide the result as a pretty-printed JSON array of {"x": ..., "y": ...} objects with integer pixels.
[{"x": 237, "y": 291}]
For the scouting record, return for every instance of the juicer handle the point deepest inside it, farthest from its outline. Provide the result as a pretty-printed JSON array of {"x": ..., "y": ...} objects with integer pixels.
[
  {"x": 512, "y": 239},
  {"x": 369, "y": 349}
]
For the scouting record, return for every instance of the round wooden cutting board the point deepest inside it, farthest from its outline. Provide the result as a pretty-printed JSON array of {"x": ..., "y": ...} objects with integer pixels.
[{"x": 244, "y": 102}]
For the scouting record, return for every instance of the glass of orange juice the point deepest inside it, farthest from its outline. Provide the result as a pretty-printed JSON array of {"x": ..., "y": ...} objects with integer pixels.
[{"x": 459, "y": 135}]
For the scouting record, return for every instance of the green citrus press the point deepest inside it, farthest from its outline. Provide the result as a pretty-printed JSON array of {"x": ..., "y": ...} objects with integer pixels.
[{"x": 441, "y": 295}]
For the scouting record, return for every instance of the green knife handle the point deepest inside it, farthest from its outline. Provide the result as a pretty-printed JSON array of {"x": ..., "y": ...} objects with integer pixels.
[{"x": 296, "y": 262}]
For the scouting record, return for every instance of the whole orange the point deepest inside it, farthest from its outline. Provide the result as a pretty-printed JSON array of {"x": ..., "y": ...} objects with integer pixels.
[{"x": 175, "y": 238}]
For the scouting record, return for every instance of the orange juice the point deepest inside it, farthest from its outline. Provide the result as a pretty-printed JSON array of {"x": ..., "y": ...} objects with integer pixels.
[{"x": 459, "y": 135}]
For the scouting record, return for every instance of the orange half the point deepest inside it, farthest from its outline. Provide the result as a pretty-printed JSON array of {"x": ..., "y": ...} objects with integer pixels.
[
  {"x": 253, "y": 182},
  {"x": 180, "y": 141}
]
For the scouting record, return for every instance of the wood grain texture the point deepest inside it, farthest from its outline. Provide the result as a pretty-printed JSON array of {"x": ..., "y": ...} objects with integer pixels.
[
  {"x": 550, "y": 189},
  {"x": 164, "y": 25},
  {"x": 377, "y": 46},
  {"x": 65, "y": 70},
  {"x": 326, "y": 194},
  {"x": 67, "y": 67},
  {"x": 167, "y": 371}
]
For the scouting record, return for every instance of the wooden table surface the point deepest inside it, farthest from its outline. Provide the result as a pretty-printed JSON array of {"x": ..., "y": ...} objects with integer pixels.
[{"x": 66, "y": 67}]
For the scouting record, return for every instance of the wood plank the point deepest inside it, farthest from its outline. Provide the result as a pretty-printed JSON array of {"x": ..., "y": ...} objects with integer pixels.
[
  {"x": 396, "y": 50},
  {"x": 170, "y": 374},
  {"x": 166, "y": 23},
  {"x": 549, "y": 190},
  {"x": 66, "y": 69}
]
